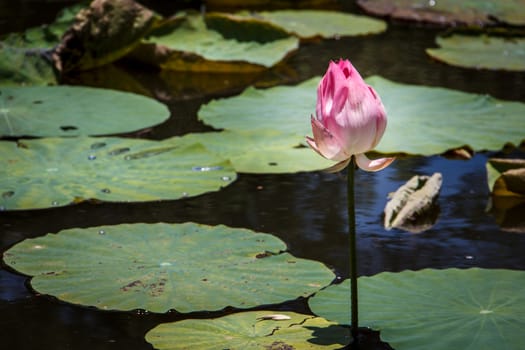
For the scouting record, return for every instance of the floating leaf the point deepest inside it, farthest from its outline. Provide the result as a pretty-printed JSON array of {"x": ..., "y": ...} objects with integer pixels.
[
  {"x": 449, "y": 12},
  {"x": 260, "y": 152},
  {"x": 192, "y": 46},
  {"x": 430, "y": 120},
  {"x": 488, "y": 52},
  {"x": 308, "y": 24},
  {"x": 435, "y": 309},
  {"x": 58, "y": 171},
  {"x": 159, "y": 267},
  {"x": 286, "y": 109},
  {"x": 250, "y": 330},
  {"x": 422, "y": 120},
  {"x": 73, "y": 111},
  {"x": 257, "y": 4}
]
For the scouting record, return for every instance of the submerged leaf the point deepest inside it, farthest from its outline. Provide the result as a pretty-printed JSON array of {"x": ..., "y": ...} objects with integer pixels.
[
  {"x": 474, "y": 308},
  {"x": 250, "y": 330},
  {"x": 159, "y": 267},
  {"x": 59, "y": 171}
]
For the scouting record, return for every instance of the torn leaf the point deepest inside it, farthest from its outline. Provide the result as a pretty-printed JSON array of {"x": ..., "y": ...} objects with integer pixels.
[{"x": 413, "y": 207}]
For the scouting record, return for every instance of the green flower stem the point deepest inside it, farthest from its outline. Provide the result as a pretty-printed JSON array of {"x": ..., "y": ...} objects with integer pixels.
[{"x": 353, "y": 257}]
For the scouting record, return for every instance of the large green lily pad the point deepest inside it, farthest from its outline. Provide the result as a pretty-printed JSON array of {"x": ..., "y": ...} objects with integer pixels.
[
  {"x": 286, "y": 109},
  {"x": 436, "y": 309},
  {"x": 73, "y": 111},
  {"x": 421, "y": 120},
  {"x": 431, "y": 120},
  {"x": 158, "y": 267},
  {"x": 487, "y": 52},
  {"x": 59, "y": 171},
  {"x": 191, "y": 46},
  {"x": 450, "y": 12},
  {"x": 308, "y": 24},
  {"x": 260, "y": 152},
  {"x": 251, "y": 330}
]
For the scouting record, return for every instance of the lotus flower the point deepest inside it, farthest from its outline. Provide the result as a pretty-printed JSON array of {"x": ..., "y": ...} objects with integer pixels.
[{"x": 350, "y": 119}]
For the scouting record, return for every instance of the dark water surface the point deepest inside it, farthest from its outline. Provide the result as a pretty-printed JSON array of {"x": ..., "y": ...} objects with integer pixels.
[{"x": 306, "y": 210}]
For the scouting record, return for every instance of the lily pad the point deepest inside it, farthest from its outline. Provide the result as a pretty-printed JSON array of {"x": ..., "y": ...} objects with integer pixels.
[
  {"x": 58, "y": 171},
  {"x": 191, "y": 46},
  {"x": 159, "y": 267},
  {"x": 430, "y": 120},
  {"x": 286, "y": 109},
  {"x": 309, "y": 24},
  {"x": 435, "y": 309},
  {"x": 421, "y": 120},
  {"x": 260, "y": 152},
  {"x": 449, "y": 12},
  {"x": 482, "y": 51},
  {"x": 251, "y": 330},
  {"x": 74, "y": 111}
]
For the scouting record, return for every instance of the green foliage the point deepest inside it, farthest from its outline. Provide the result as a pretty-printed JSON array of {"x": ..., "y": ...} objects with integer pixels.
[
  {"x": 260, "y": 152},
  {"x": 58, "y": 171},
  {"x": 159, "y": 267},
  {"x": 74, "y": 111},
  {"x": 435, "y": 309},
  {"x": 214, "y": 51},
  {"x": 482, "y": 51},
  {"x": 251, "y": 330},
  {"x": 308, "y": 24},
  {"x": 421, "y": 120}
]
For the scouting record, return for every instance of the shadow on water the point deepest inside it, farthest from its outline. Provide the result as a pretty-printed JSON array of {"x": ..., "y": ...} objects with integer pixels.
[{"x": 306, "y": 210}]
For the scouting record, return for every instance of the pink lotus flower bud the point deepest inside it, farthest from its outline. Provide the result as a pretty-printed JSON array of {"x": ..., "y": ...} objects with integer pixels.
[{"x": 350, "y": 118}]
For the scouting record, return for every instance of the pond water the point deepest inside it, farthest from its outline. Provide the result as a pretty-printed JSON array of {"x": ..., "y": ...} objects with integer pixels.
[{"x": 306, "y": 210}]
